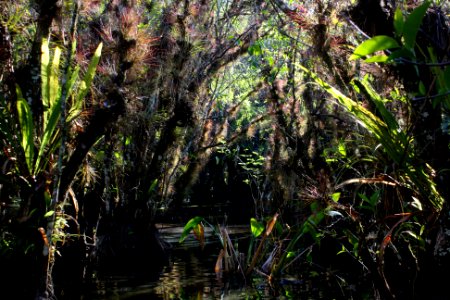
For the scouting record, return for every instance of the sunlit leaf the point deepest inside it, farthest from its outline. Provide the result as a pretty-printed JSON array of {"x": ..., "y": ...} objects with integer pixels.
[
  {"x": 377, "y": 58},
  {"x": 416, "y": 203},
  {"x": 290, "y": 254},
  {"x": 343, "y": 250},
  {"x": 189, "y": 226},
  {"x": 89, "y": 76},
  {"x": 49, "y": 213},
  {"x": 335, "y": 196},
  {"x": 372, "y": 45},
  {"x": 45, "y": 62},
  {"x": 54, "y": 77},
  {"x": 256, "y": 227},
  {"x": 342, "y": 150},
  {"x": 53, "y": 119},
  {"x": 26, "y": 128}
]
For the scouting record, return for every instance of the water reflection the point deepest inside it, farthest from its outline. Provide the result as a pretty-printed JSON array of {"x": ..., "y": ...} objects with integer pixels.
[{"x": 190, "y": 275}]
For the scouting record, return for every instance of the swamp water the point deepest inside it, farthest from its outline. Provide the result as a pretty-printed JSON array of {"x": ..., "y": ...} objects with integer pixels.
[{"x": 190, "y": 275}]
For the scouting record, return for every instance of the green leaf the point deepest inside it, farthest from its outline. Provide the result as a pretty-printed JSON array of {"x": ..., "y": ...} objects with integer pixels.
[
  {"x": 401, "y": 53},
  {"x": 26, "y": 128},
  {"x": 372, "y": 45},
  {"x": 422, "y": 89},
  {"x": 342, "y": 150},
  {"x": 290, "y": 254},
  {"x": 412, "y": 25},
  {"x": 53, "y": 77},
  {"x": 399, "y": 22},
  {"x": 189, "y": 226},
  {"x": 377, "y": 59},
  {"x": 365, "y": 87},
  {"x": 45, "y": 92},
  {"x": 76, "y": 107},
  {"x": 256, "y": 227},
  {"x": 335, "y": 196},
  {"x": 48, "y": 133},
  {"x": 49, "y": 213},
  {"x": 89, "y": 76},
  {"x": 152, "y": 187}
]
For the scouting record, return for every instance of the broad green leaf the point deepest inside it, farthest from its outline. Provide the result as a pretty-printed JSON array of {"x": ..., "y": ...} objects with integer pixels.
[
  {"x": 190, "y": 226},
  {"x": 377, "y": 58},
  {"x": 45, "y": 70},
  {"x": 89, "y": 76},
  {"x": 372, "y": 45},
  {"x": 26, "y": 128},
  {"x": 412, "y": 25},
  {"x": 256, "y": 227},
  {"x": 335, "y": 196},
  {"x": 399, "y": 22},
  {"x": 49, "y": 213},
  {"x": 53, "y": 79}
]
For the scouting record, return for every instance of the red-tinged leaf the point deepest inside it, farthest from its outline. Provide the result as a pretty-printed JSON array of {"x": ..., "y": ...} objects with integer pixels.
[
  {"x": 219, "y": 262},
  {"x": 270, "y": 224},
  {"x": 199, "y": 233}
]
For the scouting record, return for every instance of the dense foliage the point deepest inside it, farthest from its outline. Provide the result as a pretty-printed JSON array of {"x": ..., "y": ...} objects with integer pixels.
[{"x": 325, "y": 122}]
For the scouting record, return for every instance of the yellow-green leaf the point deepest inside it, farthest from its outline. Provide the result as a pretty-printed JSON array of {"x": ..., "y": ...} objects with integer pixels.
[
  {"x": 256, "y": 227},
  {"x": 49, "y": 213},
  {"x": 26, "y": 128},
  {"x": 372, "y": 45},
  {"x": 191, "y": 224}
]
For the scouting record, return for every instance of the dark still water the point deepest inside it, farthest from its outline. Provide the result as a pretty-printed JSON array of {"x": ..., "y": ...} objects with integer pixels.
[{"x": 190, "y": 275}]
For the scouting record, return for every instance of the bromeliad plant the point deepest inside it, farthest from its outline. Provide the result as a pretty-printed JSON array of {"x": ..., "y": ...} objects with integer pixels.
[
  {"x": 393, "y": 218},
  {"x": 41, "y": 140}
]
